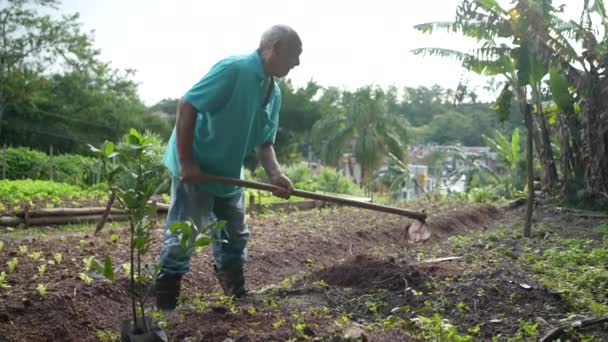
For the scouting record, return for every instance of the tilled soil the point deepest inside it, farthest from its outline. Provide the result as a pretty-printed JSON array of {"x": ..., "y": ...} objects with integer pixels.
[{"x": 326, "y": 274}]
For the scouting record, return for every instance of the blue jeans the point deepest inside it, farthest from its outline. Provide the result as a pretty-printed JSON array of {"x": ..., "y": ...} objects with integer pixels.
[{"x": 187, "y": 202}]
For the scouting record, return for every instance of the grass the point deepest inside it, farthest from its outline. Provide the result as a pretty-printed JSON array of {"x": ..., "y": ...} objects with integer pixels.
[{"x": 575, "y": 266}]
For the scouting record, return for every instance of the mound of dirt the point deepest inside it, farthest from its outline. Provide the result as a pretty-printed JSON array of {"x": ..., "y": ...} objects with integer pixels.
[
  {"x": 445, "y": 222},
  {"x": 366, "y": 272}
]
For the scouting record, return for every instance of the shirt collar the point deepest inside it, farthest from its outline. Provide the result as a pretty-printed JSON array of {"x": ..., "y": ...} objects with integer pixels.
[{"x": 257, "y": 64}]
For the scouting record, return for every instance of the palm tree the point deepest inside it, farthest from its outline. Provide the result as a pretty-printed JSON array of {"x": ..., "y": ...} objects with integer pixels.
[{"x": 364, "y": 126}]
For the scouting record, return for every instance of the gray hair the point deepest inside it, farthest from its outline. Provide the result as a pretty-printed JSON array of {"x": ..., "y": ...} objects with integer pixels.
[{"x": 278, "y": 33}]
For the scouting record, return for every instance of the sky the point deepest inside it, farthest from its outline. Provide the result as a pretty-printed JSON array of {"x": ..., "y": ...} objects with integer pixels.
[{"x": 349, "y": 44}]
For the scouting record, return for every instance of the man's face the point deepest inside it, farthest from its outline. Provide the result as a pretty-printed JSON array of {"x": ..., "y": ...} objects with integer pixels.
[{"x": 286, "y": 57}]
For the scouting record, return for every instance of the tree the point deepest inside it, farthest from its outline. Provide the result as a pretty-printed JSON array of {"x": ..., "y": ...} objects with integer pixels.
[
  {"x": 362, "y": 125},
  {"x": 584, "y": 72},
  {"x": 54, "y": 89},
  {"x": 508, "y": 155},
  {"x": 486, "y": 20}
]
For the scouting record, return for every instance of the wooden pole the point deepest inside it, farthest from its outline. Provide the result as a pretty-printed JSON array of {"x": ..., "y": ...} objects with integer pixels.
[{"x": 421, "y": 216}]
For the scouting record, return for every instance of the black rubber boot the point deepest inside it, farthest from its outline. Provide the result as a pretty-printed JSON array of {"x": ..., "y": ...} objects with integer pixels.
[
  {"x": 167, "y": 291},
  {"x": 232, "y": 280}
]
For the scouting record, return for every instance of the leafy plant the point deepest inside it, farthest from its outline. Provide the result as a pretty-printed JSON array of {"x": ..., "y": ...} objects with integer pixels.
[
  {"x": 481, "y": 195},
  {"x": 41, "y": 289},
  {"x": 12, "y": 264},
  {"x": 88, "y": 262},
  {"x": 439, "y": 329},
  {"x": 133, "y": 180},
  {"x": 36, "y": 256},
  {"x": 3, "y": 283},
  {"x": 114, "y": 238},
  {"x": 107, "y": 336},
  {"x": 57, "y": 257},
  {"x": 509, "y": 156},
  {"x": 41, "y": 270},
  {"x": 1, "y": 245},
  {"x": 23, "y": 249},
  {"x": 85, "y": 278}
]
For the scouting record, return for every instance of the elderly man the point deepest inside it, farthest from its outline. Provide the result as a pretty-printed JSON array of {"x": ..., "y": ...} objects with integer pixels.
[{"x": 231, "y": 111}]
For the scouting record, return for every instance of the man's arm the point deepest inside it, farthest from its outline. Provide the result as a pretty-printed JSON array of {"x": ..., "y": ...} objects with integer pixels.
[
  {"x": 185, "y": 122},
  {"x": 268, "y": 159}
]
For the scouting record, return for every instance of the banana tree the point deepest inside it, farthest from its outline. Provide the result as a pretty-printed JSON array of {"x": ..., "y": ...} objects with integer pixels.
[
  {"x": 396, "y": 175},
  {"x": 585, "y": 73},
  {"x": 490, "y": 24},
  {"x": 508, "y": 155}
]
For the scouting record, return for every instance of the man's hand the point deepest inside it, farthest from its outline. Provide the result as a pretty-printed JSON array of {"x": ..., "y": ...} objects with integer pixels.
[
  {"x": 191, "y": 172},
  {"x": 284, "y": 183}
]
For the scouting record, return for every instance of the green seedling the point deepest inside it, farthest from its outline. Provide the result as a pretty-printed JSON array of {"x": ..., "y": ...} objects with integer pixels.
[
  {"x": 41, "y": 269},
  {"x": 300, "y": 330},
  {"x": 12, "y": 264},
  {"x": 41, "y": 288},
  {"x": 114, "y": 238},
  {"x": 3, "y": 284},
  {"x": 85, "y": 278},
  {"x": 107, "y": 336},
  {"x": 321, "y": 283},
  {"x": 1, "y": 245},
  {"x": 57, "y": 257},
  {"x": 88, "y": 262},
  {"x": 36, "y": 256},
  {"x": 23, "y": 249},
  {"x": 278, "y": 323},
  {"x": 126, "y": 268}
]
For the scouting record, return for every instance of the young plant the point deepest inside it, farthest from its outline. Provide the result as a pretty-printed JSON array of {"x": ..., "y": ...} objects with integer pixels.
[
  {"x": 57, "y": 257},
  {"x": 36, "y": 256},
  {"x": 3, "y": 284},
  {"x": 41, "y": 270},
  {"x": 23, "y": 249},
  {"x": 12, "y": 264},
  {"x": 88, "y": 262},
  {"x": 114, "y": 238},
  {"x": 41, "y": 288},
  {"x": 85, "y": 278},
  {"x": 107, "y": 336},
  {"x": 133, "y": 181},
  {"x": 1, "y": 245}
]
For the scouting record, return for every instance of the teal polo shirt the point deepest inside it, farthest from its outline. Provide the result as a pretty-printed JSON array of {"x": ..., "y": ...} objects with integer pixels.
[{"x": 231, "y": 119}]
